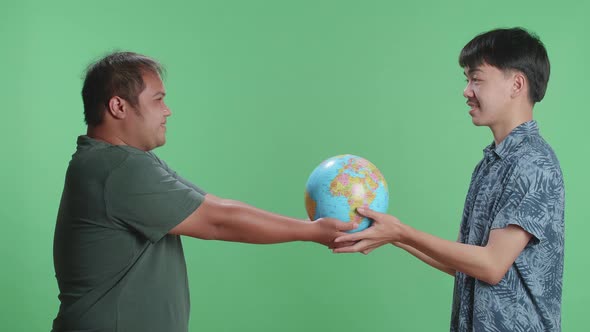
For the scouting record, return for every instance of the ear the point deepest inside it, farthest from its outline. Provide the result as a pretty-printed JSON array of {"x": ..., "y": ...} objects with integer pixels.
[
  {"x": 118, "y": 107},
  {"x": 519, "y": 85}
]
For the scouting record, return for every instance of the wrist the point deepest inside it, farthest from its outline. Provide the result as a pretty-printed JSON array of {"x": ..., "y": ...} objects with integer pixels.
[
  {"x": 405, "y": 234},
  {"x": 309, "y": 231}
]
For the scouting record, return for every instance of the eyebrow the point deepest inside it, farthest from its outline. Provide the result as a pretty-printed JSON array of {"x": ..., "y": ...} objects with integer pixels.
[
  {"x": 471, "y": 71},
  {"x": 159, "y": 93}
]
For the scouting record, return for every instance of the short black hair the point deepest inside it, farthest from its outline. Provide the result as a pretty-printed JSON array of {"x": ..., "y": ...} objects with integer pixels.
[
  {"x": 511, "y": 49},
  {"x": 116, "y": 74}
]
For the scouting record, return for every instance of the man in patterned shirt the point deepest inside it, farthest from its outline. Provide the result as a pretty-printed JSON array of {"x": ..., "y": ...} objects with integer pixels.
[{"x": 508, "y": 260}]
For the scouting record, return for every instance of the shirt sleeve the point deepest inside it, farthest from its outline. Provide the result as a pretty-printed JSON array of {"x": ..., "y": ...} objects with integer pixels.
[
  {"x": 178, "y": 177},
  {"x": 143, "y": 195},
  {"x": 527, "y": 201}
]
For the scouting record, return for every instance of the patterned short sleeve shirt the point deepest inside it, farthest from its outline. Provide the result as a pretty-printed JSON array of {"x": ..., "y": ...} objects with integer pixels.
[{"x": 519, "y": 182}]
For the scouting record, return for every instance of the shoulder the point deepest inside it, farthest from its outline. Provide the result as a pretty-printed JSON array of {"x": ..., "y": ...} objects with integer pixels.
[
  {"x": 535, "y": 155},
  {"x": 104, "y": 161},
  {"x": 536, "y": 168},
  {"x": 138, "y": 165},
  {"x": 97, "y": 162}
]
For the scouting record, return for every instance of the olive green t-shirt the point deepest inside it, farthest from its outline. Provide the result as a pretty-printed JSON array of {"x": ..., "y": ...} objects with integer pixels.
[{"x": 116, "y": 266}]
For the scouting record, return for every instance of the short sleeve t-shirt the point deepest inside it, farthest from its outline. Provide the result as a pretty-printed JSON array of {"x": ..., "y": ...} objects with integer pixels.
[
  {"x": 519, "y": 182},
  {"x": 116, "y": 266}
]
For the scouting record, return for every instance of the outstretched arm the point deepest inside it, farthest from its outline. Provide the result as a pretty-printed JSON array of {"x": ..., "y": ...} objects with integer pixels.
[
  {"x": 488, "y": 264},
  {"x": 229, "y": 220},
  {"x": 425, "y": 258}
]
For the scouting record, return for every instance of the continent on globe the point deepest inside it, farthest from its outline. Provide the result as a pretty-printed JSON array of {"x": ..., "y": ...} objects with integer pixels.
[{"x": 340, "y": 185}]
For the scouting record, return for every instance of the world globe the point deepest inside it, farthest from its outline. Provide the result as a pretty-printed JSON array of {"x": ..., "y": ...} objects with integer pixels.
[{"x": 340, "y": 185}]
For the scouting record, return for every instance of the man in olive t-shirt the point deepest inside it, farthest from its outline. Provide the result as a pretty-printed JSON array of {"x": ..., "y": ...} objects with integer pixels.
[
  {"x": 113, "y": 253},
  {"x": 118, "y": 255}
]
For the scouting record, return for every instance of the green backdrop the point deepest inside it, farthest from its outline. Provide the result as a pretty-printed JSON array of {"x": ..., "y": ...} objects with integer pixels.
[{"x": 261, "y": 92}]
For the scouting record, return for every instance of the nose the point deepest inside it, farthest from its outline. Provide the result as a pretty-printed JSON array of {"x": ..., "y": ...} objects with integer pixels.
[
  {"x": 167, "y": 111},
  {"x": 468, "y": 91}
]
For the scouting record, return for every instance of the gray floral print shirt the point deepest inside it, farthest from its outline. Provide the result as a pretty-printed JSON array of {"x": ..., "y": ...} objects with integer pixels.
[{"x": 519, "y": 182}]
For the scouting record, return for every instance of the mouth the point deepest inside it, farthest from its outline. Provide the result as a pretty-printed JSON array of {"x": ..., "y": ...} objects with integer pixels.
[{"x": 474, "y": 105}]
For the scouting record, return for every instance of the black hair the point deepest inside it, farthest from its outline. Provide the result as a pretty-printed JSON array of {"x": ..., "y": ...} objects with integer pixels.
[
  {"x": 511, "y": 49},
  {"x": 117, "y": 74}
]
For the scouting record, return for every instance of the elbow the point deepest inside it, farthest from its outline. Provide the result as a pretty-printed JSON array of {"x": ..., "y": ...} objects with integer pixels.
[
  {"x": 222, "y": 218},
  {"x": 211, "y": 221},
  {"x": 492, "y": 280},
  {"x": 224, "y": 210},
  {"x": 493, "y": 275},
  {"x": 214, "y": 219}
]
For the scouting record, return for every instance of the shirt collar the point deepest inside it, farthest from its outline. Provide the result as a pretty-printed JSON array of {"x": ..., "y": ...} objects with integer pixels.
[
  {"x": 87, "y": 142},
  {"x": 511, "y": 142}
]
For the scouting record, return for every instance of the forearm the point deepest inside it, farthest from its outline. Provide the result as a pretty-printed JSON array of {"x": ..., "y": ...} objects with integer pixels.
[
  {"x": 472, "y": 260},
  {"x": 425, "y": 258},
  {"x": 240, "y": 222}
]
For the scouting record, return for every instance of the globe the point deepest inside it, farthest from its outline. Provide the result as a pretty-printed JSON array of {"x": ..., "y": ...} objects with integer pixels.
[{"x": 340, "y": 185}]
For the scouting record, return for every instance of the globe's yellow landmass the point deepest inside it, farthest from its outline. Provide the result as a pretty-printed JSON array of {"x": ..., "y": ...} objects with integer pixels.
[
  {"x": 359, "y": 191},
  {"x": 310, "y": 206}
]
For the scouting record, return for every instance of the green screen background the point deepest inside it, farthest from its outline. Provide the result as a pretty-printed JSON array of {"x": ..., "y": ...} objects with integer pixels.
[{"x": 261, "y": 92}]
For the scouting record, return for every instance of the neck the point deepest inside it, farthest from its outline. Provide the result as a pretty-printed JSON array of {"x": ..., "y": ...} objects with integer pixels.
[
  {"x": 104, "y": 134},
  {"x": 501, "y": 129}
]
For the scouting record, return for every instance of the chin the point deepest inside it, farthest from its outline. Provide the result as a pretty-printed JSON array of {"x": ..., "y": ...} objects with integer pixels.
[{"x": 477, "y": 122}]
